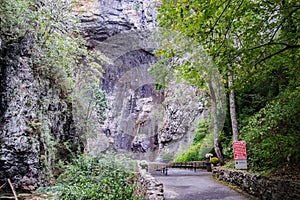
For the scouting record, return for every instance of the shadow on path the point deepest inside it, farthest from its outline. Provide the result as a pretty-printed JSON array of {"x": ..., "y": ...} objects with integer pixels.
[{"x": 189, "y": 185}]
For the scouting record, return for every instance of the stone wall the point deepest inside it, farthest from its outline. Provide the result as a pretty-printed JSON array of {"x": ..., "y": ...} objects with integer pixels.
[
  {"x": 259, "y": 186},
  {"x": 154, "y": 189}
]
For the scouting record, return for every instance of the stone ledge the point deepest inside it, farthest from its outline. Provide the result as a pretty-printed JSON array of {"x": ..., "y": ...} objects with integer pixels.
[
  {"x": 154, "y": 189},
  {"x": 259, "y": 186}
]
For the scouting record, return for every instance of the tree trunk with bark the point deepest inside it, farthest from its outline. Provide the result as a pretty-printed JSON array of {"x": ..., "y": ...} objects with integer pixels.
[
  {"x": 232, "y": 109},
  {"x": 215, "y": 123}
]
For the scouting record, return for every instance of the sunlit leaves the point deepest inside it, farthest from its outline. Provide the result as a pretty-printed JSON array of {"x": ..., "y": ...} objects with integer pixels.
[
  {"x": 259, "y": 42},
  {"x": 15, "y": 18},
  {"x": 244, "y": 34}
]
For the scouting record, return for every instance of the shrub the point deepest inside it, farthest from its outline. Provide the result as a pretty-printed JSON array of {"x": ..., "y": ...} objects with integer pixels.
[
  {"x": 202, "y": 131},
  {"x": 272, "y": 135},
  {"x": 90, "y": 177},
  {"x": 214, "y": 160},
  {"x": 202, "y": 144},
  {"x": 191, "y": 154}
]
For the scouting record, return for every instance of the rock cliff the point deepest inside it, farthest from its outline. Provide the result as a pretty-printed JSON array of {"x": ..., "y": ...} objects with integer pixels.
[
  {"x": 35, "y": 120},
  {"x": 141, "y": 121},
  {"x": 36, "y": 116}
]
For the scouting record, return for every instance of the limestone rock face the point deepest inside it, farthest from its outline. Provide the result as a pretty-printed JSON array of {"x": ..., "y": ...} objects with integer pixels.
[
  {"x": 141, "y": 121},
  {"x": 104, "y": 18},
  {"x": 185, "y": 106},
  {"x": 34, "y": 120}
]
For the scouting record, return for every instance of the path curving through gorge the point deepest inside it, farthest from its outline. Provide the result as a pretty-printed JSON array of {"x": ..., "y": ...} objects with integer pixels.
[{"x": 182, "y": 184}]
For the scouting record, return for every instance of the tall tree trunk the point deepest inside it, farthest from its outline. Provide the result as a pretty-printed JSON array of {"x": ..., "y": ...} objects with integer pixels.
[
  {"x": 215, "y": 123},
  {"x": 232, "y": 109}
]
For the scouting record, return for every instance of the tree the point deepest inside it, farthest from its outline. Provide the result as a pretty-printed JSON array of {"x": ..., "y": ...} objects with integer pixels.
[
  {"x": 232, "y": 109},
  {"x": 244, "y": 32},
  {"x": 184, "y": 58},
  {"x": 255, "y": 42}
]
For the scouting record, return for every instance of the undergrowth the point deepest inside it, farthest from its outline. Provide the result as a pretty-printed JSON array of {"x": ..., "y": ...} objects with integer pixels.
[{"x": 90, "y": 177}]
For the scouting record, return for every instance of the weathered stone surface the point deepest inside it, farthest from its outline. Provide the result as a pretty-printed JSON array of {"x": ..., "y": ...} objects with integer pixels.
[
  {"x": 32, "y": 116},
  {"x": 140, "y": 121},
  {"x": 133, "y": 106},
  {"x": 184, "y": 110},
  {"x": 154, "y": 189},
  {"x": 35, "y": 117},
  {"x": 103, "y": 19},
  {"x": 259, "y": 186}
]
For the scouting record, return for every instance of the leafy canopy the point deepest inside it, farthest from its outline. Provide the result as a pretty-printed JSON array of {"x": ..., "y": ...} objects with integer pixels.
[
  {"x": 258, "y": 42},
  {"x": 247, "y": 35}
]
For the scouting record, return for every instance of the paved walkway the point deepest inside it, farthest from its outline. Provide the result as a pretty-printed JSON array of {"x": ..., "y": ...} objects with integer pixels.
[{"x": 189, "y": 185}]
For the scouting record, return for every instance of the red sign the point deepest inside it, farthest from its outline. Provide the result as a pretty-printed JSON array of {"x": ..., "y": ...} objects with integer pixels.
[{"x": 239, "y": 150}]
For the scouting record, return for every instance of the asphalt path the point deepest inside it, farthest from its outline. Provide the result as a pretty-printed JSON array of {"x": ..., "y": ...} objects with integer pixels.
[{"x": 182, "y": 184}]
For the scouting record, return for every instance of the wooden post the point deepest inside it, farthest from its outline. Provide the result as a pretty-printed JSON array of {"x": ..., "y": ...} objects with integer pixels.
[
  {"x": 208, "y": 165},
  {"x": 12, "y": 189}
]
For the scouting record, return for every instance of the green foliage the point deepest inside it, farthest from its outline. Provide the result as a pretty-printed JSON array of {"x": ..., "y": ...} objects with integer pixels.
[
  {"x": 162, "y": 75},
  {"x": 202, "y": 130},
  {"x": 272, "y": 134},
  {"x": 89, "y": 100},
  {"x": 229, "y": 164},
  {"x": 48, "y": 150},
  {"x": 243, "y": 34},
  {"x": 191, "y": 154},
  {"x": 60, "y": 59},
  {"x": 51, "y": 27},
  {"x": 15, "y": 16},
  {"x": 259, "y": 40},
  {"x": 203, "y": 144},
  {"x": 58, "y": 52},
  {"x": 90, "y": 103},
  {"x": 98, "y": 97},
  {"x": 90, "y": 177},
  {"x": 226, "y": 143}
]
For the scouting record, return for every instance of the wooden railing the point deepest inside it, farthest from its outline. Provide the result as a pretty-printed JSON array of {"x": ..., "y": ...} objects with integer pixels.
[
  {"x": 157, "y": 166},
  {"x": 189, "y": 165},
  {"x": 163, "y": 167}
]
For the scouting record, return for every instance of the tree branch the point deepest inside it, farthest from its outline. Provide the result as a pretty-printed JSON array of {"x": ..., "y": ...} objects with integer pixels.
[
  {"x": 229, "y": 26},
  {"x": 2, "y": 186},
  {"x": 278, "y": 52},
  {"x": 221, "y": 14},
  {"x": 282, "y": 22},
  {"x": 270, "y": 43},
  {"x": 228, "y": 29},
  {"x": 12, "y": 189},
  {"x": 213, "y": 27}
]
